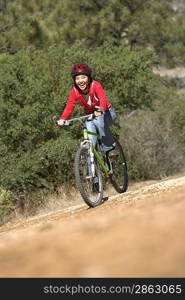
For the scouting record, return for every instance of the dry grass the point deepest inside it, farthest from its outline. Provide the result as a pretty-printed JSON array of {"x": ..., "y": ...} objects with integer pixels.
[{"x": 66, "y": 196}]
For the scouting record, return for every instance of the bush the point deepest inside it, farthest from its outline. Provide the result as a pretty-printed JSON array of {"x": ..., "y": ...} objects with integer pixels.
[
  {"x": 6, "y": 204},
  {"x": 152, "y": 149}
]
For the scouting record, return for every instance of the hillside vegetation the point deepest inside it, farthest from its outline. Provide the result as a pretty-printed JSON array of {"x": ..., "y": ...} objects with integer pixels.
[{"x": 122, "y": 41}]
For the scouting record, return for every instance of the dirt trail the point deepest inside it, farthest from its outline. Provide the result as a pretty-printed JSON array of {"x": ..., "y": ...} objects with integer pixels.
[{"x": 136, "y": 234}]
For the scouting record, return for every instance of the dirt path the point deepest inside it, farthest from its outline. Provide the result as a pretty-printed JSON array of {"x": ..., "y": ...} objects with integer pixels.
[{"x": 136, "y": 234}]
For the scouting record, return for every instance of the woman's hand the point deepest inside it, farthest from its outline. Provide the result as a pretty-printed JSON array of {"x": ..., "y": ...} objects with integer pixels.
[
  {"x": 60, "y": 122},
  {"x": 97, "y": 113}
]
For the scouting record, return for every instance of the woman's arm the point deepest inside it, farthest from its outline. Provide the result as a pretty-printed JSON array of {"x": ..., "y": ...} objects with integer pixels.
[
  {"x": 101, "y": 95},
  {"x": 68, "y": 110}
]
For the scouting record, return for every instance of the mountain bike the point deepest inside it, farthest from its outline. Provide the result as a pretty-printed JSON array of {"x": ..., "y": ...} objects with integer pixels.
[{"x": 91, "y": 164}]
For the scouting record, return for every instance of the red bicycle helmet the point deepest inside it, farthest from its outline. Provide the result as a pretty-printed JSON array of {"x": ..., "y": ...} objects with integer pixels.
[{"x": 79, "y": 69}]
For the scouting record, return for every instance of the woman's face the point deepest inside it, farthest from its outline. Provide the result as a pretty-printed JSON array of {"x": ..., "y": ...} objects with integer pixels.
[{"x": 82, "y": 81}]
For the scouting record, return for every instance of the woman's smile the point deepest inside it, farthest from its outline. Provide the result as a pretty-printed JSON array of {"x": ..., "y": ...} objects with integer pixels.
[{"x": 82, "y": 81}]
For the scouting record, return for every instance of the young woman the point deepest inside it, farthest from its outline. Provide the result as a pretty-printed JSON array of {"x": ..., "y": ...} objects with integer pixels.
[{"x": 90, "y": 94}]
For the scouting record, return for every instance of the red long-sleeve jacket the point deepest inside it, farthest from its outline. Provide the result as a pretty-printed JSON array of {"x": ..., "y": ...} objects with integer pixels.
[{"x": 97, "y": 96}]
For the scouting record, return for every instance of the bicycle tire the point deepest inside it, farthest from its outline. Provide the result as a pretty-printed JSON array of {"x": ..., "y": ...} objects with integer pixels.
[
  {"x": 119, "y": 176},
  {"x": 91, "y": 194}
]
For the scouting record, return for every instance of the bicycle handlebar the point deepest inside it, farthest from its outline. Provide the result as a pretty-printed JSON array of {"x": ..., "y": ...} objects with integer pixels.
[
  {"x": 70, "y": 121},
  {"x": 87, "y": 117}
]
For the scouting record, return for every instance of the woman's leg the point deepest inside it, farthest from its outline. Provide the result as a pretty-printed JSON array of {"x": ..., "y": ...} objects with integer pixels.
[
  {"x": 103, "y": 124},
  {"x": 91, "y": 127}
]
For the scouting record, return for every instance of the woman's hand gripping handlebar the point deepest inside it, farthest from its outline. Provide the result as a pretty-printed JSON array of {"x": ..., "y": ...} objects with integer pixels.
[{"x": 60, "y": 122}]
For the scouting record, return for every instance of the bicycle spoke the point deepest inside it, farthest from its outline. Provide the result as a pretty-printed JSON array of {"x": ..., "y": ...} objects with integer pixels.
[{"x": 90, "y": 187}]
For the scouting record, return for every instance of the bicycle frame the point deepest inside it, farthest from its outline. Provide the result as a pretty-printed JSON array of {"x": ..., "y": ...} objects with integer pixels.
[
  {"x": 86, "y": 139},
  {"x": 86, "y": 134}
]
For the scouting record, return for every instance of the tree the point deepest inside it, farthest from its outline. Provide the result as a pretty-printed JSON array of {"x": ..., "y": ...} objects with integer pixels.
[{"x": 134, "y": 23}]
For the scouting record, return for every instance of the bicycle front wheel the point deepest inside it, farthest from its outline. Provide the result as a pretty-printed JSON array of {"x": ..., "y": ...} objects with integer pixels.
[
  {"x": 90, "y": 187},
  {"x": 119, "y": 176}
]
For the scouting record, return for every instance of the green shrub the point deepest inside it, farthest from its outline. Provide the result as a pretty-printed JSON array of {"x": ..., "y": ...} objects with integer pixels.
[
  {"x": 6, "y": 203},
  {"x": 152, "y": 148},
  {"x": 44, "y": 168}
]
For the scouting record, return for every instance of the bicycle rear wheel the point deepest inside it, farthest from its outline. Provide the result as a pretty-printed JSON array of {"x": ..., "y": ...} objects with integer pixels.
[
  {"x": 90, "y": 187},
  {"x": 119, "y": 176}
]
